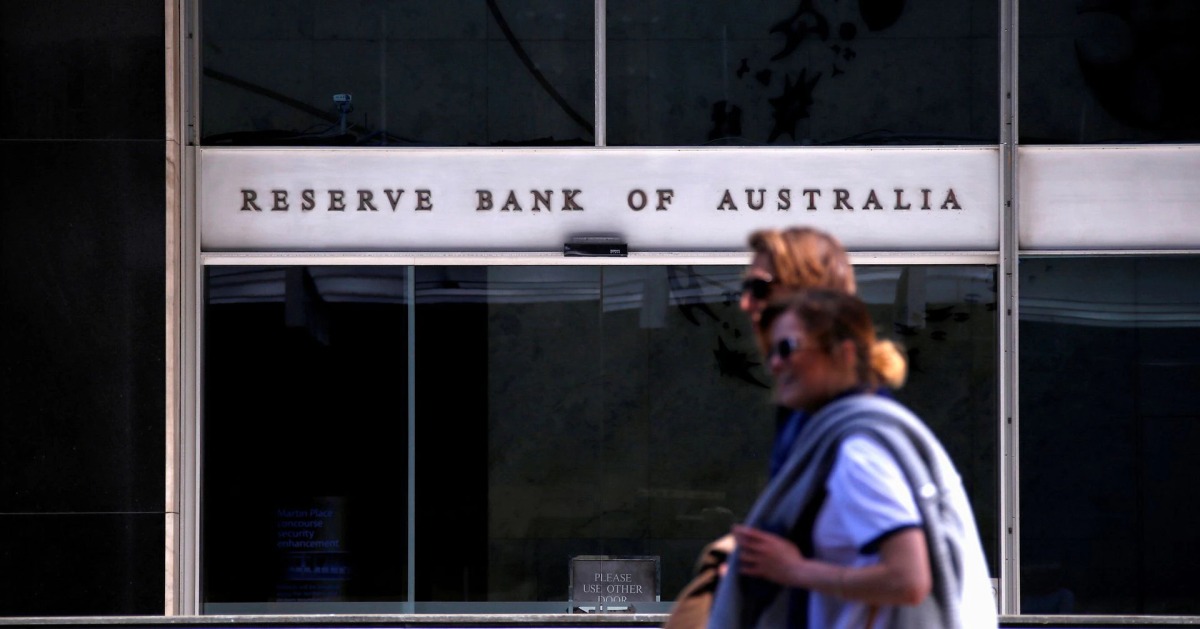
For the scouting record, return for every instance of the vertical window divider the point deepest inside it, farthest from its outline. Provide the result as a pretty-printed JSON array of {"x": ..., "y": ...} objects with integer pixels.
[
  {"x": 410, "y": 292},
  {"x": 174, "y": 62},
  {"x": 191, "y": 354},
  {"x": 182, "y": 583},
  {"x": 601, "y": 65},
  {"x": 1007, "y": 276}
]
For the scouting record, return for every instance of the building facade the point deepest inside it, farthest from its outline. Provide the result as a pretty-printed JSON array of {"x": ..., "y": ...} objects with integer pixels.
[{"x": 387, "y": 381}]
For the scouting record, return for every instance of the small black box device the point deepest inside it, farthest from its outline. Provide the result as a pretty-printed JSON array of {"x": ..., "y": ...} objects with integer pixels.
[{"x": 596, "y": 246}]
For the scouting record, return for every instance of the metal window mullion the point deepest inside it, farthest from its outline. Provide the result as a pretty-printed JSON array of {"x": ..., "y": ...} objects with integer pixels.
[
  {"x": 1009, "y": 476},
  {"x": 544, "y": 258},
  {"x": 192, "y": 298},
  {"x": 191, "y": 70},
  {"x": 410, "y": 292},
  {"x": 188, "y": 547},
  {"x": 175, "y": 370},
  {"x": 601, "y": 73}
]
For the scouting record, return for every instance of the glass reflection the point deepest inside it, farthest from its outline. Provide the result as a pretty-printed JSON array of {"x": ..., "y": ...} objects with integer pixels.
[
  {"x": 799, "y": 72},
  {"x": 388, "y": 73},
  {"x": 1108, "y": 72},
  {"x": 560, "y": 412},
  {"x": 304, "y": 433},
  {"x": 1109, "y": 381}
]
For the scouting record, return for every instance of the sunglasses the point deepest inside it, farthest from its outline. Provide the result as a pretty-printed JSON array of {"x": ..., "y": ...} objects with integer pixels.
[
  {"x": 758, "y": 287},
  {"x": 784, "y": 348}
]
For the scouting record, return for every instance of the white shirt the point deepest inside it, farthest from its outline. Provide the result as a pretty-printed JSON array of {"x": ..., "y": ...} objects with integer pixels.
[{"x": 868, "y": 499}]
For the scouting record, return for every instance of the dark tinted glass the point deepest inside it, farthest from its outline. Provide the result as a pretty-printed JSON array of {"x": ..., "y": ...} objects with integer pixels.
[
  {"x": 625, "y": 411},
  {"x": 560, "y": 412},
  {"x": 1110, "y": 400},
  {"x": 1096, "y": 72},
  {"x": 417, "y": 73},
  {"x": 788, "y": 72},
  {"x": 305, "y": 435}
]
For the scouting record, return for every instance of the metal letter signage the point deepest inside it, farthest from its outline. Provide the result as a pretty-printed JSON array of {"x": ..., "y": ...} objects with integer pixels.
[{"x": 526, "y": 200}]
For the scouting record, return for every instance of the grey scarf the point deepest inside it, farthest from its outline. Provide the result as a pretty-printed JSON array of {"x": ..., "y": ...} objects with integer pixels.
[{"x": 745, "y": 602}]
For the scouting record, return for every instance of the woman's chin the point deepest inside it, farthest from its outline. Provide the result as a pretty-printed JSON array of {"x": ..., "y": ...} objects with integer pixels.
[{"x": 788, "y": 401}]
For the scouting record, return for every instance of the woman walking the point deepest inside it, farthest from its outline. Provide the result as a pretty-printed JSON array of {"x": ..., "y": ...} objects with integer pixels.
[{"x": 866, "y": 522}]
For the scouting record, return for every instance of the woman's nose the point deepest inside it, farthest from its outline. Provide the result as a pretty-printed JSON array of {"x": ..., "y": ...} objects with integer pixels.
[
  {"x": 775, "y": 363},
  {"x": 746, "y": 302}
]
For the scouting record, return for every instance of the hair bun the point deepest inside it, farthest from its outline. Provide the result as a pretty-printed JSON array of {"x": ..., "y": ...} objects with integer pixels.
[{"x": 889, "y": 363}]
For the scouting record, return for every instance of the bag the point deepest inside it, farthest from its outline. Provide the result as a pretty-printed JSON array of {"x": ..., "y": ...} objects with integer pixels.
[{"x": 695, "y": 600}]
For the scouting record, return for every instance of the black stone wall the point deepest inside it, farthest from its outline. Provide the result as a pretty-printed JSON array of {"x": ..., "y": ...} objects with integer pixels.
[{"x": 82, "y": 263}]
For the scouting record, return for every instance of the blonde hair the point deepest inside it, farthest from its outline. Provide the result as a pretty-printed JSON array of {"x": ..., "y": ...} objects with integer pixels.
[
  {"x": 803, "y": 257},
  {"x": 888, "y": 363},
  {"x": 830, "y": 317}
]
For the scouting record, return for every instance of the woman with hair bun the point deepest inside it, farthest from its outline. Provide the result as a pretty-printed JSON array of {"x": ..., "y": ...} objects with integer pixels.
[
  {"x": 782, "y": 262},
  {"x": 866, "y": 524}
]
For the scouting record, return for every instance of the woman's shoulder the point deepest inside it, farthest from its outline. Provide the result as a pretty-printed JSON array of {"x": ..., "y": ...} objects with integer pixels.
[{"x": 863, "y": 457}]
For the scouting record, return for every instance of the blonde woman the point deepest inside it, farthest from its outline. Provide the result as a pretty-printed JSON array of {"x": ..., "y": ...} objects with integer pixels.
[{"x": 866, "y": 523}]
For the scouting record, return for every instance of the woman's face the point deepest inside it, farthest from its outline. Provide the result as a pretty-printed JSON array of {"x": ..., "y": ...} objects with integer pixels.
[
  {"x": 806, "y": 376},
  {"x": 758, "y": 287}
]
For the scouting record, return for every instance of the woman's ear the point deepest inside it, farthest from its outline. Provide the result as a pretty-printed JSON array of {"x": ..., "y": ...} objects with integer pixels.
[{"x": 846, "y": 355}]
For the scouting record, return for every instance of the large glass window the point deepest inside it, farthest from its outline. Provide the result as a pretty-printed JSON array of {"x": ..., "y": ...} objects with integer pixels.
[
  {"x": 1109, "y": 407},
  {"x": 1108, "y": 72},
  {"x": 796, "y": 72},
  {"x": 559, "y": 412},
  {"x": 523, "y": 72},
  {"x": 305, "y": 440},
  {"x": 389, "y": 73}
]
